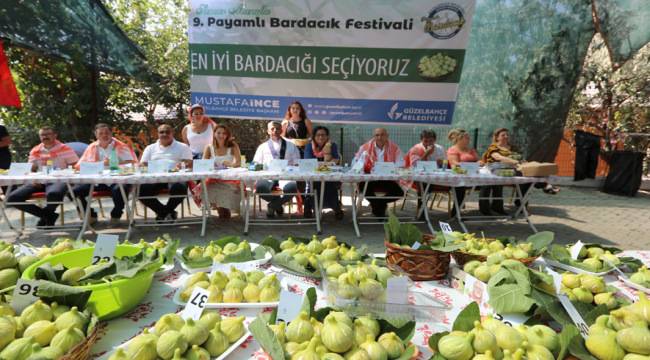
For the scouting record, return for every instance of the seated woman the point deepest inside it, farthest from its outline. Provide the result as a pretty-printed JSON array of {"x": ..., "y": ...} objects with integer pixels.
[
  {"x": 223, "y": 194},
  {"x": 323, "y": 149},
  {"x": 459, "y": 152},
  {"x": 500, "y": 151}
]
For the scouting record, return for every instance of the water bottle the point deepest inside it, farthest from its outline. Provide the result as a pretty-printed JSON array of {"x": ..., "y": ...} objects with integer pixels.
[
  {"x": 113, "y": 161},
  {"x": 49, "y": 164}
]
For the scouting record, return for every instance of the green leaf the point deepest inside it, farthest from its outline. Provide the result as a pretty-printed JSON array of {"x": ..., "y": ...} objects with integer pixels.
[
  {"x": 409, "y": 234},
  {"x": 408, "y": 353},
  {"x": 49, "y": 272},
  {"x": 466, "y": 318},
  {"x": 309, "y": 301},
  {"x": 509, "y": 298},
  {"x": 388, "y": 234},
  {"x": 590, "y": 316},
  {"x": 238, "y": 256},
  {"x": 170, "y": 249},
  {"x": 437, "y": 356},
  {"x": 266, "y": 338},
  {"x": 565, "y": 337},
  {"x": 393, "y": 228},
  {"x": 577, "y": 349},
  {"x": 203, "y": 262},
  {"x": 272, "y": 243},
  {"x": 63, "y": 294},
  {"x": 405, "y": 331},
  {"x": 433, "y": 339},
  {"x": 226, "y": 240},
  {"x": 541, "y": 241}
]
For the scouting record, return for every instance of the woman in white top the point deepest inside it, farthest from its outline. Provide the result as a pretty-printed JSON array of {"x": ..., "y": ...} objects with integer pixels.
[
  {"x": 223, "y": 194},
  {"x": 198, "y": 133}
]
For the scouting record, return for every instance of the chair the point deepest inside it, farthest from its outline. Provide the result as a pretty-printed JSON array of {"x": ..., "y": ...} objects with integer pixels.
[
  {"x": 40, "y": 198},
  {"x": 78, "y": 147}
]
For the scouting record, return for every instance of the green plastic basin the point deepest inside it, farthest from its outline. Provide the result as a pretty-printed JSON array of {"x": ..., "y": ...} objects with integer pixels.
[{"x": 111, "y": 299}]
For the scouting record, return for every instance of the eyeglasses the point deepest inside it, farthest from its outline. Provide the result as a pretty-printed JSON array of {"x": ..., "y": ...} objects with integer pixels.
[{"x": 164, "y": 132}]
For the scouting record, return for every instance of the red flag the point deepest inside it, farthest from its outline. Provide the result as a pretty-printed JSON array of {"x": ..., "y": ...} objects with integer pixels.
[{"x": 8, "y": 92}]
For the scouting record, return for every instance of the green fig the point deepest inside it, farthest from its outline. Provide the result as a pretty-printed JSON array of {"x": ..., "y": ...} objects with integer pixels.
[
  {"x": 336, "y": 335},
  {"x": 635, "y": 339},
  {"x": 169, "y": 342},
  {"x": 604, "y": 347},
  {"x": 217, "y": 341}
]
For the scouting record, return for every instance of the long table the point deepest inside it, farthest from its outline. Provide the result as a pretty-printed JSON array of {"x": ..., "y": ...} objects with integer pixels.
[{"x": 248, "y": 178}]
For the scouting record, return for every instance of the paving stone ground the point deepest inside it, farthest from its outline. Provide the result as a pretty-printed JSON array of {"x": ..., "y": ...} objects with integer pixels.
[{"x": 573, "y": 214}]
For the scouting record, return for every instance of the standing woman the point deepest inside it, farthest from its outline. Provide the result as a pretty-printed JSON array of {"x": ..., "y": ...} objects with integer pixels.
[
  {"x": 296, "y": 127},
  {"x": 499, "y": 151},
  {"x": 324, "y": 150},
  {"x": 223, "y": 194},
  {"x": 459, "y": 152},
  {"x": 199, "y": 132}
]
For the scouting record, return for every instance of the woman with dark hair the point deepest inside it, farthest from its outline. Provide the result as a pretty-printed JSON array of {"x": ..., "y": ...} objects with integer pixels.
[
  {"x": 321, "y": 148},
  {"x": 224, "y": 195},
  {"x": 296, "y": 127},
  {"x": 500, "y": 151}
]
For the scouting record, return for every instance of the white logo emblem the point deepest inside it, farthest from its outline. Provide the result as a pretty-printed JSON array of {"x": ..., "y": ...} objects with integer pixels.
[{"x": 393, "y": 114}]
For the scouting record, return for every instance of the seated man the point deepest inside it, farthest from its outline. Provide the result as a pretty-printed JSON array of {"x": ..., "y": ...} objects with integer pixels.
[
  {"x": 380, "y": 149},
  {"x": 59, "y": 156},
  {"x": 425, "y": 150},
  {"x": 275, "y": 148},
  {"x": 175, "y": 152},
  {"x": 101, "y": 150}
]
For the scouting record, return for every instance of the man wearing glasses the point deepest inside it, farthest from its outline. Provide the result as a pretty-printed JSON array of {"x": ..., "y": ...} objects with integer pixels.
[{"x": 173, "y": 153}]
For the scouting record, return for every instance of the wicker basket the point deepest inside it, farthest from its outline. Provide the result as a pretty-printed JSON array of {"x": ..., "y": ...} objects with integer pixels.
[
  {"x": 462, "y": 257},
  {"x": 82, "y": 350},
  {"x": 419, "y": 264}
]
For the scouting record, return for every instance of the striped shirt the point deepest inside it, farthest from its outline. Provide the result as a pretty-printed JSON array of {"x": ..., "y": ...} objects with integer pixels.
[{"x": 61, "y": 155}]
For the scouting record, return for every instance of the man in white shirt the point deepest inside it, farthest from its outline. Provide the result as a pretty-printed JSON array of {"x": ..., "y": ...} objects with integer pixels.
[
  {"x": 174, "y": 153},
  {"x": 275, "y": 148}
]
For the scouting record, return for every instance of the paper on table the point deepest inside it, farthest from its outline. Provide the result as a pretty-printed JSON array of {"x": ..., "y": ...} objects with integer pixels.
[
  {"x": 158, "y": 166},
  {"x": 19, "y": 169},
  {"x": 471, "y": 167},
  {"x": 426, "y": 166},
  {"x": 278, "y": 165},
  {"x": 202, "y": 165},
  {"x": 384, "y": 168},
  {"x": 307, "y": 165},
  {"x": 91, "y": 167}
]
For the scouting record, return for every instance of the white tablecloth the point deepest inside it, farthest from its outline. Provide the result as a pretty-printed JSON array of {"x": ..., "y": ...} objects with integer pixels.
[{"x": 440, "y": 178}]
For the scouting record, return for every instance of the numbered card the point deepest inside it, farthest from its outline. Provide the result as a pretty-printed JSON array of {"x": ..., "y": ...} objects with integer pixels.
[
  {"x": 278, "y": 165},
  {"x": 91, "y": 168},
  {"x": 397, "y": 290},
  {"x": 472, "y": 168},
  {"x": 203, "y": 165},
  {"x": 416, "y": 245},
  {"x": 24, "y": 294},
  {"x": 575, "y": 249},
  {"x": 196, "y": 304},
  {"x": 289, "y": 306},
  {"x": 445, "y": 227},
  {"x": 426, "y": 166},
  {"x": 307, "y": 165},
  {"x": 384, "y": 168},
  {"x": 104, "y": 248},
  {"x": 20, "y": 169}
]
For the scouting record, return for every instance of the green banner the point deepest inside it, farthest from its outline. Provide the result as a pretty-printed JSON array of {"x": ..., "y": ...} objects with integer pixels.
[{"x": 327, "y": 63}]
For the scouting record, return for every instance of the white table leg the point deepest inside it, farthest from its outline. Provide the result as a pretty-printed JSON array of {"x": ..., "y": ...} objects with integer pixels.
[
  {"x": 85, "y": 212},
  {"x": 3, "y": 207},
  {"x": 458, "y": 206},
  {"x": 134, "y": 203},
  {"x": 522, "y": 206},
  {"x": 125, "y": 199},
  {"x": 424, "y": 200},
  {"x": 205, "y": 207},
  {"x": 247, "y": 202},
  {"x": 355, "y": 194}
]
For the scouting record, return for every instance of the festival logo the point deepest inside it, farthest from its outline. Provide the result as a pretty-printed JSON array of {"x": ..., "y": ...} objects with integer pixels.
[{"x": 444, "y": 21}]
